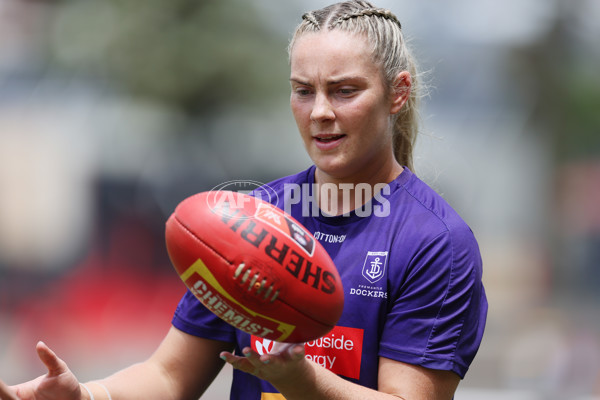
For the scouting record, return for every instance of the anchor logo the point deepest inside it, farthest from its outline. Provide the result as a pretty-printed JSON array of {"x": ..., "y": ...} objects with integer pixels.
[{"x": 374, "y": 266}]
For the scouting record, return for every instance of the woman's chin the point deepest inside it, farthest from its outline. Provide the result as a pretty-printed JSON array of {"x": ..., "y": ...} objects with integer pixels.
[{"x": 334, "y": 169}]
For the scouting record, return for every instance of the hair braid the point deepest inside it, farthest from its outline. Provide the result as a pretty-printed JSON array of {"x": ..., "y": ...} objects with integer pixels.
[
  {"x": 370, "y": 12},
  {"x": 310, "y": 18}
]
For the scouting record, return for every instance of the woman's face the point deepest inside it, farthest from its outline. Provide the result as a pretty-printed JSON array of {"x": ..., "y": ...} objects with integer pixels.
[{"x": 341, "y": 105}]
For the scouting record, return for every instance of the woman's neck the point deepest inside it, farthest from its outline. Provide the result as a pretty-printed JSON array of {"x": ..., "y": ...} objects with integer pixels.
[{"x": 340, "y": 195}]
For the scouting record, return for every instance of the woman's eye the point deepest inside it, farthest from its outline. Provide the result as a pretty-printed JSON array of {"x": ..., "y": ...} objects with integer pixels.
[
  {"x": 346, "y": 91},
  {"x": 302, "y": 91}
]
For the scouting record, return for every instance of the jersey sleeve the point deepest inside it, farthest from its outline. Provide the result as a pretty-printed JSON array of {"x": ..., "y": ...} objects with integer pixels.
[
  {"x": 437, "y": 314},
  {"x": 192, "y": 317}
]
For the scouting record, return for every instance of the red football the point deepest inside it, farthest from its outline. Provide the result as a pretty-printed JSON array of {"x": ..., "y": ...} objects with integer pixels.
[{"x": 254, "y": 266}]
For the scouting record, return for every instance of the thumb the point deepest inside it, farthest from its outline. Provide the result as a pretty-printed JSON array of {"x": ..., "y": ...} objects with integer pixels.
[
  {"x": 6, "y": 392},
  {"x": 55, "y": 365}
]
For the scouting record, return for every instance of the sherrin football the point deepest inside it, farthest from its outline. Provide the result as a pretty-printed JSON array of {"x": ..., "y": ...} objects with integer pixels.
[{"x": 254, "y": 266}]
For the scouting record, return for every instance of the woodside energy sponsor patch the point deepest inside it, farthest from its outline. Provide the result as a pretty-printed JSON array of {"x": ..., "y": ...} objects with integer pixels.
[{"x": 340, "y": 351}]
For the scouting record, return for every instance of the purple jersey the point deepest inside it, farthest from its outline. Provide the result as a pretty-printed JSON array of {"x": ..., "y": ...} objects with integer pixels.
[{"x": 411, "y": 272}]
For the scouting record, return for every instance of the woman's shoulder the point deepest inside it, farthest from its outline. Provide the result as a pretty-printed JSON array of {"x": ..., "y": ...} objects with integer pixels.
[{"x": 424, "y": 206}]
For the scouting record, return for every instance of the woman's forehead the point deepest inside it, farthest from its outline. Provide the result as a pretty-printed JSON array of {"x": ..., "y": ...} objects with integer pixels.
[
  {"x": 332, "y": 39},
  {"x": 334, "y": 53}
]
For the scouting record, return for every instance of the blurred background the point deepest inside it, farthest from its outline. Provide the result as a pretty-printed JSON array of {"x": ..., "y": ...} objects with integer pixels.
[{"x": 111, "y": 112}]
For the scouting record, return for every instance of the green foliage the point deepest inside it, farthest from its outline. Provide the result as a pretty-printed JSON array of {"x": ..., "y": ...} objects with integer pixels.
[
  {"x": 581, "y": 135},
  {"x": 197, "y": 55}
]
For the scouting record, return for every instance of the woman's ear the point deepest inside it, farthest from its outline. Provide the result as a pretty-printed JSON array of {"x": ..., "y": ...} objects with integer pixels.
[{"x": 401, "y": 91}]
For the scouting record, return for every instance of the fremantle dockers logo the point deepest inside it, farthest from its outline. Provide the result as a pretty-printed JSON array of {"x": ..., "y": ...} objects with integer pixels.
[{"x": 374, "y": 266}]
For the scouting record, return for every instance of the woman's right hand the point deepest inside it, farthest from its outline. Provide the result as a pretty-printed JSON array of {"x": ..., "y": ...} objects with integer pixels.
[{"x": 58, "y": 384}]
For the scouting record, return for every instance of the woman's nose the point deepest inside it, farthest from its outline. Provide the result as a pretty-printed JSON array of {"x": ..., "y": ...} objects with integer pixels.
[{"x": 322, "y": 109}]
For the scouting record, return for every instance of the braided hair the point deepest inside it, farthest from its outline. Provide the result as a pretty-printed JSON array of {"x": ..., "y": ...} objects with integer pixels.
[{"x": 384, "y": 32}]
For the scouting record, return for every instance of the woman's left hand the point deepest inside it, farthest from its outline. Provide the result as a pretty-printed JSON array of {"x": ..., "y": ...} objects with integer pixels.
[{"x": 284, "y": 360}]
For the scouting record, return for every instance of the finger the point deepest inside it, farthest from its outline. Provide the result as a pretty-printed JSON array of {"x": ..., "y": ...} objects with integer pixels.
[
  {"x": 250, "y": 354},
  {"x": 227, "y": 356},
  {"x": 254, "y": 358},
  {"x": 232, "y": 358},
  {"x": 297, "y": 351},
  {"x": 7, "y": 393},
  {"x": 55, "y": 365},
  {"x": 237, "y": 362},
  {"x": 285, "y": 353},
  {"x": 290, "y": 349}
]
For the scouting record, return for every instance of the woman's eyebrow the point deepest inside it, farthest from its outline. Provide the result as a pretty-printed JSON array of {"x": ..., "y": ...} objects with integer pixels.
[
  {"x": 299, "y": 81},
  {"x": 333, "y": 81},
  {"x": 342, "y": 79}
]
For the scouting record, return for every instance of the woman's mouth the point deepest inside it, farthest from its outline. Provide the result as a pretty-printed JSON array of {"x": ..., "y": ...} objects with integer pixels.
[{"x": 328, "y": 141}]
